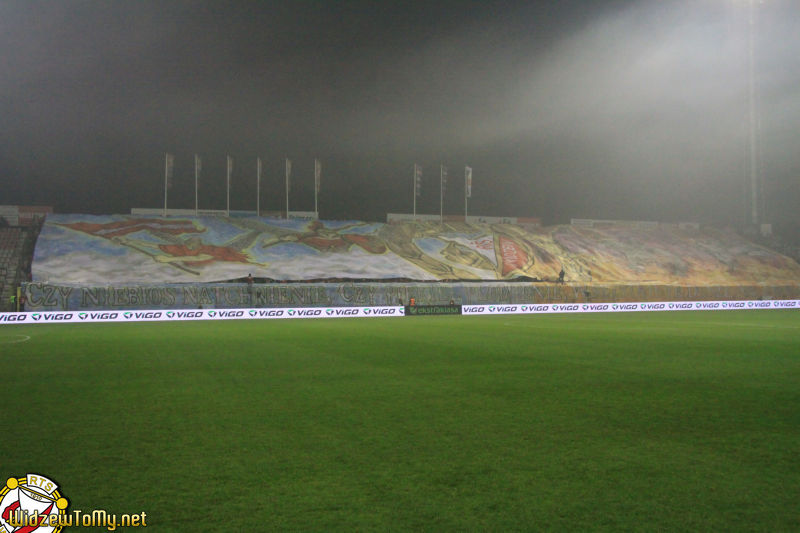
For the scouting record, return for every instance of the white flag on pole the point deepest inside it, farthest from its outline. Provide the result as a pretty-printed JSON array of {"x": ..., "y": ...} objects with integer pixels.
[
  {"x": 317, "y": 174},
  {"x": 288, "y": 174},
  {"x": 468, "y": 181}
]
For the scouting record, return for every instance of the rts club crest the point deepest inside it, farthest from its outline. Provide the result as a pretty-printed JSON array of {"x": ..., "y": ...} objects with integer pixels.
[{"x": 28, "y": 503}]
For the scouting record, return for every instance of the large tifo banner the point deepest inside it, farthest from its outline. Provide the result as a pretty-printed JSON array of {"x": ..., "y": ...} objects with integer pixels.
[
  {"x": 381, "y": 312},
  {"x": 114, "y": 249},
  {"x": 121, "y": 249}
]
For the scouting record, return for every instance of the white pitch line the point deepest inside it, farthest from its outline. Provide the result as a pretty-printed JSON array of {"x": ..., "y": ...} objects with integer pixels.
[{"x": 23, "y": 339}]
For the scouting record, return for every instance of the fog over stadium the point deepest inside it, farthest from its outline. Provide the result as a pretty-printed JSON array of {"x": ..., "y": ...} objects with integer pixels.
[{"x": 621, "y": 110}]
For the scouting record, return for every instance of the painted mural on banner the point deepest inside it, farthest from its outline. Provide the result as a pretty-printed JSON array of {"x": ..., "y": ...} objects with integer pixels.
[{"x": 119, "y": 249}]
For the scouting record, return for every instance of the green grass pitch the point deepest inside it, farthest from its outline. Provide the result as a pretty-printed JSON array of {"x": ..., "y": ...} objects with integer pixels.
[{"x": 637, "y": 421}]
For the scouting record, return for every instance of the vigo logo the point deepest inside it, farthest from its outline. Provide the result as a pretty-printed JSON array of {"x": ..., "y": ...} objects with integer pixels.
[
  {"x": 734, "y": 305},
  {"x": 329, "y": 312},
  {"x": 382, "y": 311},
  {"x": 708, "y": 305},
  {"x": 55, "y": 317},
  {"x": 308, "y": 312},
  {"x": 627, "y": 307},
  {"x": 790, "y": 303},
  {"x": 761, "y": 304},
  {"x": 148, "y": 314},
  {"x": 681, "y": 306},
  {"x": 506, "y": 309},
  {"x": 269, "y": 312},
  {"x": 103, "y": 316},
  {"x": 83, "y": 316},
  {"x": 228, "y": 314},
  {"x": 468, "y": 309},
  {"x": 566, "y": 307},
  {"x": 652, "y": 306},
  {"x": 535, "y": 308},
  {"x": 127, "y": 314},
  {"x": 343, "y": 312},
  {"x": 597, "y": 307},
  {"x": 189, "y": 314},
  {"x": 12, "y": 318}
]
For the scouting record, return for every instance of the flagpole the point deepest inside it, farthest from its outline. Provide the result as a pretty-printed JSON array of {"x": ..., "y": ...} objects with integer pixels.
[
  {"x": 441, "y": 194},
  {"x": 228, "y": 205},
  {"x": 258, "y": 187},
  {"x": 196, "y": 170},
  {"x": 316, "y": 186},
  {"x": 287, "y": 187},
  {"x": 414, "y": 190},
  {"x": 466, "y": 192},
  {"x": 166, "y": 172}
]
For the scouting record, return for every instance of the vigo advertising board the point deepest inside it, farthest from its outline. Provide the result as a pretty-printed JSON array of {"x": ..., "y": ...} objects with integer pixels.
[
  {"x": 519, "y": 309},
  {"x": 63, "y": 317}
]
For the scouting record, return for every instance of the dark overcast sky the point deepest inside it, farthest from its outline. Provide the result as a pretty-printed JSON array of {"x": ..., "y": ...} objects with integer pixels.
[{"x": 625, "y": 109}]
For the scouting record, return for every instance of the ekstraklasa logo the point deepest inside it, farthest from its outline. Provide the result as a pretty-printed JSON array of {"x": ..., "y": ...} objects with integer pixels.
[{"x": 31, "y": 498}]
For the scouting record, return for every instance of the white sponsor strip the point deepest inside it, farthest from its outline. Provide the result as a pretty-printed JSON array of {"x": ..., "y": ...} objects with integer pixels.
[
  {"x": 516, "y": 309},
  {"x": 50, "y": 317},
  {"x": 61, "y": 317}
]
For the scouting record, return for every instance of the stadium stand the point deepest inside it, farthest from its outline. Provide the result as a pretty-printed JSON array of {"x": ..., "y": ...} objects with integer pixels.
[{"x": 12, "y": 245}]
